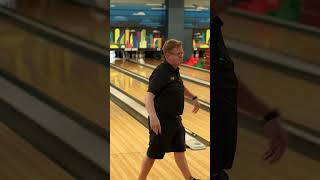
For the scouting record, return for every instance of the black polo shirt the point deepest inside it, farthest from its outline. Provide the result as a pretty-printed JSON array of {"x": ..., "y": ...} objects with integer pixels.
[
  {"x": 166, "y": 84},
  {"x": 219, "y": 50},
  {"x": 222, "y": 67}
]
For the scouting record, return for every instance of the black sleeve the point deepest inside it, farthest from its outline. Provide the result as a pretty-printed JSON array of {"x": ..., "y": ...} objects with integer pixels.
[{"x": 156, "y": 81}]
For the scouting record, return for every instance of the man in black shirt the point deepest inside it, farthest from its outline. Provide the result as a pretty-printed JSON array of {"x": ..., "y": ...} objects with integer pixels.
[
  {"x": 227, "y": 93},
  {"x": 165, "y": 103}
]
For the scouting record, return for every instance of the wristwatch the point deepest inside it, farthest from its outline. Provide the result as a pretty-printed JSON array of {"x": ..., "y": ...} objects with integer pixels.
[
  {"x": 271, "y": 115},
  {"x": 194, "y": 98}
]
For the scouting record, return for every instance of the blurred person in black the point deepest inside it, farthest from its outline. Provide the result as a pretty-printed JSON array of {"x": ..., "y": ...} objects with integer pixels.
[{"x": 227, "y": 93}]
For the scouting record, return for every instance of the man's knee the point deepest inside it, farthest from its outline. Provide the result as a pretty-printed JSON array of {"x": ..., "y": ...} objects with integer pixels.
[{"x": 178, "y": 153}]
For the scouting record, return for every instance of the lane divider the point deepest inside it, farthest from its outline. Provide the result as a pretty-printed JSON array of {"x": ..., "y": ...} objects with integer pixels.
[
  {"x": 89, "y": 144},
  {"x": 195, "y": 80}
]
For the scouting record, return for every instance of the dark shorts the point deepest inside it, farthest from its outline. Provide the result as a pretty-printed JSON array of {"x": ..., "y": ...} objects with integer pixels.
[{"x": 171, "y": 139}]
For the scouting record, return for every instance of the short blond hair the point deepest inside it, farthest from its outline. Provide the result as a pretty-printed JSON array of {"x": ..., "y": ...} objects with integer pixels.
[{"x": 171, "y": 44}]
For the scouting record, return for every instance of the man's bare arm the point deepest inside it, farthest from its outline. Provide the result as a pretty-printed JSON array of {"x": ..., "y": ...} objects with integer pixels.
[
  {"x": 249, "y": 102},
  {"x": 154, "y": 121}
]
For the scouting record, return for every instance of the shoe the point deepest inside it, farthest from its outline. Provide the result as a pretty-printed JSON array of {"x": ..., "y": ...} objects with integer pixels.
[{"x": 192, "y": 178}]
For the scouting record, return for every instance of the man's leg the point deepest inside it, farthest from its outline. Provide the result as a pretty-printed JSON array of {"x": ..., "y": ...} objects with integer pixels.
[
  {"x": 182, "y": 164},
  {"x": 145, "y": 168}
]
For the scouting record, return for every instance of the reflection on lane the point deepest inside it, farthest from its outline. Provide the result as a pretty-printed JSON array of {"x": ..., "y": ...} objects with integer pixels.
[
  {"x": 202, "y": 92},
  {"x": 70, "y": 79},
  {"x": 295, "y": 43},
  {"x": 83, "y": 21},
  {"x": 295, "y": 97}
]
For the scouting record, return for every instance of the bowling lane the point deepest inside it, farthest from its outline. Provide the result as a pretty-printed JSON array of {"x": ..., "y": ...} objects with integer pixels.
[
  {"x": 269, "y": 36},
  {"x": 70, "y": 79},
  {"x": 128, "y": 145},
  {"x": 83, "y": 21},
  {"x": 184, "y": 70},
  {"x": 202, "y": 92},
  {"x": 20, "y": 160},
  {"x": 298, "y": 99},
  {"x": 250, "y": 166},
  {"x": 199, "y": 123}
]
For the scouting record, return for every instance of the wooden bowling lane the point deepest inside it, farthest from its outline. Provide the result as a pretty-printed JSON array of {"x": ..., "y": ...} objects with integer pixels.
[
  {"x": 199, "y": 123},
  {"x": 298, "y": 99},
  {"x": 128, "y": 144},
  {"x": 201, "y": 91},
  {"x": 261, "y": 34},
  {"x": 70, "y": 79},
  {"x": 20, "y": 160},
  {"x": 250, "y": 166},
  {"x": 83, "y": 21},
  {"x": 184, "y": 70}
]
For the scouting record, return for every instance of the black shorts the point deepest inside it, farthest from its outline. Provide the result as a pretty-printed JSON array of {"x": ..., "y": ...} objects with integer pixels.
[{"x": 171, "y": 139}]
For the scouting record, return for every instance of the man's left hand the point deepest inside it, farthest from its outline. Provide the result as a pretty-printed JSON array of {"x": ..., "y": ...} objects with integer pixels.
[
  {"x": 277, "y": 141},
  {"x": 196, "y": 106}
]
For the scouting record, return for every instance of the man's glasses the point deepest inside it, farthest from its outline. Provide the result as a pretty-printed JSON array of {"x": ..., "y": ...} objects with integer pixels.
[{"x": 177, "y": 54}]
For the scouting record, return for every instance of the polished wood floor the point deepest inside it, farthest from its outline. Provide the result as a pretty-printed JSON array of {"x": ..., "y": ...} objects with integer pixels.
[
  {"x": 83, "y": 21},
  {"x": 198, "y": 123},
  {"x": 249, "y": 165},
  {"x": 128, "y": 145},
  {"x": 201, "y": 91},
  {"x": 70, "y": 79},
  {"x": 20, "y": 160},
  {"x": 280, "y": 39},
  {"x": 298, "y": 99}
]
